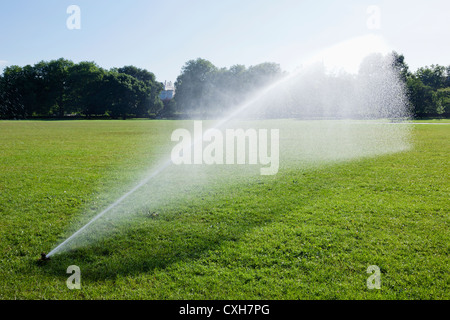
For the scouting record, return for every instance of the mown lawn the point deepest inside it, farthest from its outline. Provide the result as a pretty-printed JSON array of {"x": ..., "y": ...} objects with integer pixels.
[{"x": 306, "y": 233}]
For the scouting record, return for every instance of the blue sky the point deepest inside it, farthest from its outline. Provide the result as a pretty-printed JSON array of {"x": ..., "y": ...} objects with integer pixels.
[{"x": 162, "y": 35}]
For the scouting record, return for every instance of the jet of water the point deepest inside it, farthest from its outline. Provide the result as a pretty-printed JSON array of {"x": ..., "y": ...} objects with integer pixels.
[
  {"x": 168, "y": 162},
  {"x": 367, "y": 100}
]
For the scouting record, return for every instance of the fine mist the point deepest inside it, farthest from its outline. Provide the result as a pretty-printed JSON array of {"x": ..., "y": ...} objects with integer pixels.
[{"x": 324, "y": 115}]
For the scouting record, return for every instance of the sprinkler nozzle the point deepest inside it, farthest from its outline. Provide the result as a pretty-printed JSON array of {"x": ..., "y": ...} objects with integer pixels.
[{"x": 44, "y": 257}]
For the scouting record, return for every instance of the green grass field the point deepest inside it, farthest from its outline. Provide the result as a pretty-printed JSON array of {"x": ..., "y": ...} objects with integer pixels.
[{"x": 307, "y": 233}]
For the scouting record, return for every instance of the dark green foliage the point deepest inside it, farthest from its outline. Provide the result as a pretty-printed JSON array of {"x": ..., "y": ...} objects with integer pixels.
[
  {"x": 443, "y": 100},
  {"x": 62, "y": 88},
  {"x": 193, "y": 84},
  {"x": 434, "y": 76},
  {"x": 420, "y": 96},
  {"x": 429, "y": 91},
  {"x": 85, "y": 82},
  {"x": 204, "y": 89},
  {"x": 149, "y": 102},
  {"x": 19, "y": 90},
  {"x": 54, "y": 76},
  {"x": 400, "y": 65}
]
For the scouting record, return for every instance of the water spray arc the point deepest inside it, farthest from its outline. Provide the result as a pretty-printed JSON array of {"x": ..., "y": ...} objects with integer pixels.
[
  {"x": 168, "y": 162},
  {"x": 381, "y": 96},
  {"x": 112, "y": 206}
]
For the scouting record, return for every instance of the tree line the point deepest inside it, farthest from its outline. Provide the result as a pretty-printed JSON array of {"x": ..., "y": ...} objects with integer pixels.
[
  {"x": 429, "y": 91},
  {"x": 61, "y": 88},
  {"x": 204, "y": 89}
]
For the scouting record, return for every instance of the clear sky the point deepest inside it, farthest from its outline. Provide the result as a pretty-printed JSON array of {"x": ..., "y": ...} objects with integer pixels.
[{"x": 162, "y": 35}]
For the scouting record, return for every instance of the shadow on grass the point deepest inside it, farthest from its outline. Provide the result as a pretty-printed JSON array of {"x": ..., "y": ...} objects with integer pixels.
[
  {"x": 180, "y": 234},
  {"x": 143, "y": 249},
  {"x": 188, "y": 230}
]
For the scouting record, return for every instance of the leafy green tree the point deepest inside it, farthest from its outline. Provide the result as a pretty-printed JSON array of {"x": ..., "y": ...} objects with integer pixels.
[
  {"x": 123, "y": 94},
  {"x": 11, "y": 106},
  {"x": 84, "y": 85},
  {"x": 447, "y": 78},
  {"x": 193, "y": 85},
  {"x": 421, "y": 97},
  {"x": 53, "y": 77},
  {"x": 203, "y": 88},
  {"x": 18, "y": 89},
  {"x": 262, "y": 74},
  {"x": 399, "y": 64},
  {"x": 428, "y": 92},
  {"x": 442, "y": 100},
  {"x": 137, "y": 73},
  {"x": 434, "y": 76},
  {"x": 151, "y": 103}
]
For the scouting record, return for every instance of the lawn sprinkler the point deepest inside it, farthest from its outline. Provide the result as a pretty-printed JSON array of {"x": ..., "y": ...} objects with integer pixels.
[{"x": 44, "y": 257}]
